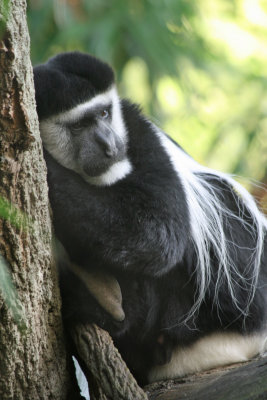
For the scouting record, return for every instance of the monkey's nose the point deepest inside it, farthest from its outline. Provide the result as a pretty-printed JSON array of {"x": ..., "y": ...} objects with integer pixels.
[{"x": 106, "y": 141}]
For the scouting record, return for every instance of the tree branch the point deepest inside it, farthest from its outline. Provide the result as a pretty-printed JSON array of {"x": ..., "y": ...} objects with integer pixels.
[
  {"x": 106, "y": 372},
  {"x": 246, "y": 381}
]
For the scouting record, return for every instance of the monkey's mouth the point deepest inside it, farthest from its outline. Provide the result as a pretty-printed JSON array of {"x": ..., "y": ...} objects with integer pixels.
[
  {"x": 111, "y": 175},
  {"x": 97, "y": 169},
  {"x": 96, "y": 166}
]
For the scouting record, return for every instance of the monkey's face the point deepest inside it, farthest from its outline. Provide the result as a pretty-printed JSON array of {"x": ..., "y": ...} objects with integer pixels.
[
  {"x": 90, "y": 139},
  {"x": 96, "y": 146}
]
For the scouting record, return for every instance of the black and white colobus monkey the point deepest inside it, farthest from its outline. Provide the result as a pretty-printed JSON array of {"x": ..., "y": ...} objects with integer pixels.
[{"x": 187, "y": 244}]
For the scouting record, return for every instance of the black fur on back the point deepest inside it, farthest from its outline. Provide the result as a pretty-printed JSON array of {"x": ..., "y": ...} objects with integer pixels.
[{"x": 66, "y": 81}]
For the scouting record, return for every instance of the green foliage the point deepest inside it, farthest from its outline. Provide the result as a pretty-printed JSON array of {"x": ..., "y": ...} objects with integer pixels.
[
  {"x": 115, "y": 30},
  {"x": 4, "y": 12},
  {"x": 199, "y": 68},
  {"x": 16, "y": 217}
]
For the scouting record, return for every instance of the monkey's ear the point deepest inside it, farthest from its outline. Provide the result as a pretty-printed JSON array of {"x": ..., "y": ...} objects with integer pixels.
[{"x": 104, "y": 288}]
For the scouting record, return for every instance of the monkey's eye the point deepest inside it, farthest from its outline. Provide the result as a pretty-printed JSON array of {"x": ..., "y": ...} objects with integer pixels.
[{"x": 104, "y": 114}]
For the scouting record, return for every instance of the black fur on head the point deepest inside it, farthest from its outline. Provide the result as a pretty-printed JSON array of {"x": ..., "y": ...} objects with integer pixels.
[{"x": 69, "y": 79}]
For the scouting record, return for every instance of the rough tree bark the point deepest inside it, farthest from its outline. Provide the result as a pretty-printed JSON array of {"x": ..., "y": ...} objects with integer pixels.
[{"x": 32, "y": 360}]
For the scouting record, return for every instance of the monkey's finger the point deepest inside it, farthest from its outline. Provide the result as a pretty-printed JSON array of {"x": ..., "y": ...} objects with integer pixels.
[{"x": 104, "y": 288}]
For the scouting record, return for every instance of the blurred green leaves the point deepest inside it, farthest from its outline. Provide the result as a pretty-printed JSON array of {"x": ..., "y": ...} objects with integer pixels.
[
  {"x": 198, "y": 68},
  {"x": 115, "y": 30}
]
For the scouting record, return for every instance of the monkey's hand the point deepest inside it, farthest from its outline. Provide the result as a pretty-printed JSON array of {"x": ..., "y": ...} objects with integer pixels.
[{"x": 104, "y": 288}]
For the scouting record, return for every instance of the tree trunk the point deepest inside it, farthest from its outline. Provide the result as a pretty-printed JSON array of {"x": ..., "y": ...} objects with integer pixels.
[{"x": 33, "y": 362}]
